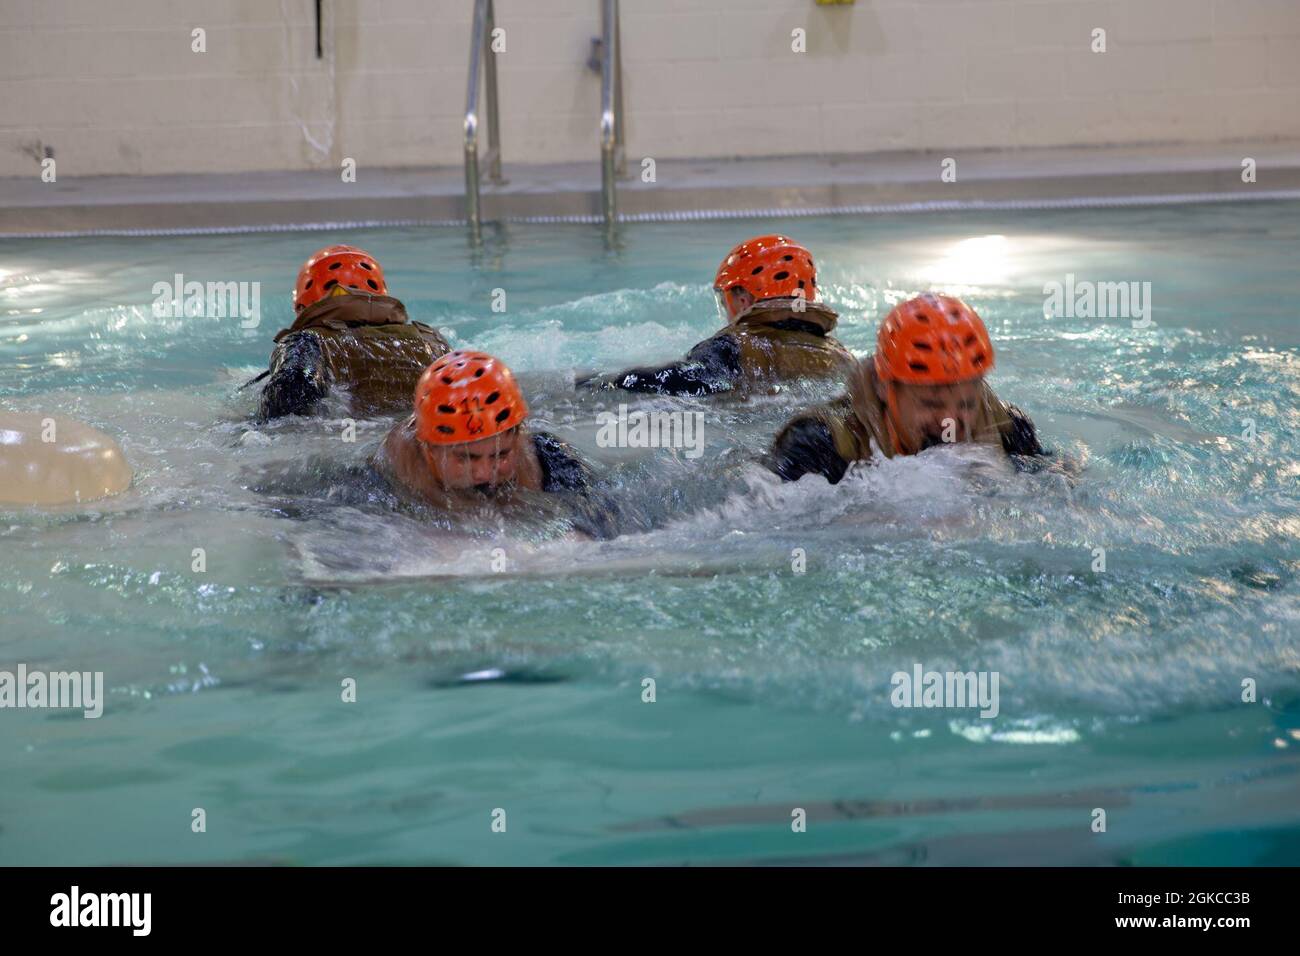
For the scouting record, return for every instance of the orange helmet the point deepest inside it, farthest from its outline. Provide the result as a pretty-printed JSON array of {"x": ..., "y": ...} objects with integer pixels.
[
  {"x": 465, "y": 396},
  {"x": 932, "y": 340},
  {"x": 337, "y": 266},
  {"x": 767, "y": 267}
]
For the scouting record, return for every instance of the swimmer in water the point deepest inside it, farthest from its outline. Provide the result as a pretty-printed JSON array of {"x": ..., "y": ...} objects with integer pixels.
[
  {"x": 923, "y": 387},
  {"x": 467, "y": 439},
  {"x": 776, "y": 329},
  {"x": 349, "y": 335}
]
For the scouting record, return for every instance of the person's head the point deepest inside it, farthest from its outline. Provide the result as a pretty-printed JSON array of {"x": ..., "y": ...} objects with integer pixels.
[
  {"x": 765, "y": 267},
  {"x": 932, "y": 354},
  {"x": 337, "y": 270},
  {"x": 468, "y": 413}
]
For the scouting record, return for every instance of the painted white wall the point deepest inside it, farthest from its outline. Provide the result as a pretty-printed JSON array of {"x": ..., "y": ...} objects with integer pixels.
[{"x": 113, "y": 87}]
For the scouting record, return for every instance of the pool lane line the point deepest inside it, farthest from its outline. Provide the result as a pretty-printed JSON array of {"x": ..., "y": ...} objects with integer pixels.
[{"x": 694, "y": 215}]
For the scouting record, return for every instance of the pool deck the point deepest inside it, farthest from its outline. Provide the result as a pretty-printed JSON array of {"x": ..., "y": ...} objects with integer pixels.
[{"x": 683, "y": 189}]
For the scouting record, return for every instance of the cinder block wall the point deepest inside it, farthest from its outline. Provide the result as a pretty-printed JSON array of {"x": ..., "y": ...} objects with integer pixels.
[{"x": 112, "y": 86}]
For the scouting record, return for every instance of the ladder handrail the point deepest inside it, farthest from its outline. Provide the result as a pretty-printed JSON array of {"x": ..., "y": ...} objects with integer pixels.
[
  {"x": 612, "y": 149},
  {"x": 611, "y": 109},
  {"x": 480, "y": 38}
]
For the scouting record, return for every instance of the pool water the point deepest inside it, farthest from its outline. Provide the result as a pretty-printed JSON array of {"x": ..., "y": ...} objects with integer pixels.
[{"x": 521, "y": 690}]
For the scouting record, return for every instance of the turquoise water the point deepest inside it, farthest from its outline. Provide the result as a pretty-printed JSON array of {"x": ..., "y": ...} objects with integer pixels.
[{"x": 522, "y": 690}]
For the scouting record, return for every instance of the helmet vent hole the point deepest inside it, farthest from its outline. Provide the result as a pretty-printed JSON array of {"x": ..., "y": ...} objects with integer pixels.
[
  {"x": 970, "y": 340},
  {"x": 789, "y": 258},
  {"x": 373, "y": 284},
  {"x": 447, "y": 409},
  {"x": 446, "y": 380},
  {"x": 491, "y": 398},
  {"x": 781, "y": 276},
  {"x": 922, "y": 317},
  {"x": 309, "y": 283},
  {"x": 923, "y": 346},
  {"x": 335, "y": 265},
  {"x": 801, "y": 283},
  {"x": 502, "y": 415},
  {"x": 918, "y": 366},
  {"x": 478, "y": 372},
  {"x": 757, "y": 270},
  {"x": 330, "y": 284},
  {"x": 978, "y": 359},
  {"x": 446, "y": 430},
  {"x": 365, "y": 265}
]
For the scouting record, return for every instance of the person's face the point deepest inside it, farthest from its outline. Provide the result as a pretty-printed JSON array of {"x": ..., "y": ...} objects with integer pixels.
[
  {"x": 484, "y": 465},
  {"x": 928, "y": 415}
]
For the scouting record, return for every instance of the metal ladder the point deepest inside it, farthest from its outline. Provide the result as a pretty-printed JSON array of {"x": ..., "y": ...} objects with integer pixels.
[
  {"x": 612, "y": 153},
  {"x": 479, "y": 51},
  {"x": 483, "y": 61}
]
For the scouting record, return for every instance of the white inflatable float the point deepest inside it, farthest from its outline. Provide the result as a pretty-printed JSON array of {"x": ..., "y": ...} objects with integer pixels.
[{"x": 54, "y": 460}]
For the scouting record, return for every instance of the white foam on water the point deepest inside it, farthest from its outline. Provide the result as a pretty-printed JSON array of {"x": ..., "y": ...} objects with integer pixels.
[{"x": 1029, "y": 731}]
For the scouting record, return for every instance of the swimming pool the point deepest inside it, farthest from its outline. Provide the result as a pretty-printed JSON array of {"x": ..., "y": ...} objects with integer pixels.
[{"x": 522, "y": 691}]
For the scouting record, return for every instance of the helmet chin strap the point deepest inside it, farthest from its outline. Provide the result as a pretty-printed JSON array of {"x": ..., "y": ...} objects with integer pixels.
[
  {"x": 892, "y": 424},
  {"x": 427, "y": 455}
]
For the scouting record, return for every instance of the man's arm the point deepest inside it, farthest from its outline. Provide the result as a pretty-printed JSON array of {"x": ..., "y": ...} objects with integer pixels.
[
  {"x": 562, "y": 467},
  {"x": 712, "y": 366},
  {"x": 1028, "y": 455},
  {"x": 297, "y": 379},
  {"x": 805, "y": 445},
  {"x": 1021, "y": 438}
]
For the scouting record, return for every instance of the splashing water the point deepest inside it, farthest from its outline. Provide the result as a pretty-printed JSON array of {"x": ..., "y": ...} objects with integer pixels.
[{"x": 770, "y": 617}]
